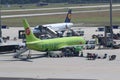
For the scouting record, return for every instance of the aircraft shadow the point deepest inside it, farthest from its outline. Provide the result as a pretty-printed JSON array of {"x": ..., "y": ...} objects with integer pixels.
[
  {"x": 27, "y": 60},
  {"x": 35, "y": 56},
  {"x": 23, "y": 58}
]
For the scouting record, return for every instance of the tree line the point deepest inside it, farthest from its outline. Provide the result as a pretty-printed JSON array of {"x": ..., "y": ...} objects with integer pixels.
[{"x": 55, "y": 1}]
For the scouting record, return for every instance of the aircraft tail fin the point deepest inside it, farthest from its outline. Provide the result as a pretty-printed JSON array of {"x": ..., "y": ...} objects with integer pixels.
[
  {"x": 68, "y": 17},
  {"x": 28, "y": 33}
]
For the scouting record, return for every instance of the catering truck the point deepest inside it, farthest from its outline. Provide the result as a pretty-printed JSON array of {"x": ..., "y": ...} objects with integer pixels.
[{"x": 7, "y": 47}]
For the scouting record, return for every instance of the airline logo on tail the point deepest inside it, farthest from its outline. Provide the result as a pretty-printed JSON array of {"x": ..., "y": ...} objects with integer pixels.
[
  {"x": 27, "y": 31},
  {"x": 68, "y": 18},
  {"x": 29, "y": 35}
]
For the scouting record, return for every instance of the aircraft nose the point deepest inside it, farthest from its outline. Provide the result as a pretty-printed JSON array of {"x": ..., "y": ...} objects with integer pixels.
[{"x": 83, "y": 41}]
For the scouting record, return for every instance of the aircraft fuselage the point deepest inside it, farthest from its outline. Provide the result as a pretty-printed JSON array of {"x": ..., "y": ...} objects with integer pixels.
[{"x": 55, "y": 44}]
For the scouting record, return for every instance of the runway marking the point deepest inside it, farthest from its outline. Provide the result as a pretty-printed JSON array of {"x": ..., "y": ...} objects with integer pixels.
[
  {"x": 43, "y": 14},
  {"x": 3, "y": 78},
  {"x": 25, "y": 15},
  {"x": 101, "y": 6}
]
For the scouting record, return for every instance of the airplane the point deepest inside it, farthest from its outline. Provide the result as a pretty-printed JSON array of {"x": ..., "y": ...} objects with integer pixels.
[
  {"x": 59, "y": 26},
  {"x": 68, "y": 45}
]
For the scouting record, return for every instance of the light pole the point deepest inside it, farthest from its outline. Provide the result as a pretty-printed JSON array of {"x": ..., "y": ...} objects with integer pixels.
[
  {"x": 0, "y": 20},
  {"x": 109, "y": 30},
  {"x": 111, "y": 25}
]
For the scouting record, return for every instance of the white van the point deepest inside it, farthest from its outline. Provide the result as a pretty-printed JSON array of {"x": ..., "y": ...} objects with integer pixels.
[{"x": 90, "y": 44}]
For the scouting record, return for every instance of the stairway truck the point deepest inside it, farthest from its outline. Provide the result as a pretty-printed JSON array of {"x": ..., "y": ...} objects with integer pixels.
[{"x": 77, "y": 50}]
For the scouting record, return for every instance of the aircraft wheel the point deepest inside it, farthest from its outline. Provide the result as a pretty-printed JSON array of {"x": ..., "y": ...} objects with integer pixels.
[
  {"x": 49, "y": 56},
  {"x": 60, "y": 55},
  {"x": 55, "y": 56},
  {"x": 29, "y": 56},
  {"x": 67, "y": 52}
]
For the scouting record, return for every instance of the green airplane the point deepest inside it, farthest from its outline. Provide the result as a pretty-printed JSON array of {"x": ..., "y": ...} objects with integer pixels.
[{"x": 65, "y": 44}]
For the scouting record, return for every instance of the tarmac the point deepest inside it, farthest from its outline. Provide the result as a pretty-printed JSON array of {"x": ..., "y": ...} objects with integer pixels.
[{"x": 65, "y": 68}]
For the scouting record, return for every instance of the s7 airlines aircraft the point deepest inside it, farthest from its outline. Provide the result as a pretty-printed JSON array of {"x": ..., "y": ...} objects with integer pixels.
[
  {"x": 65, "y": 44},
  {"x": 60, "y": 26}
]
